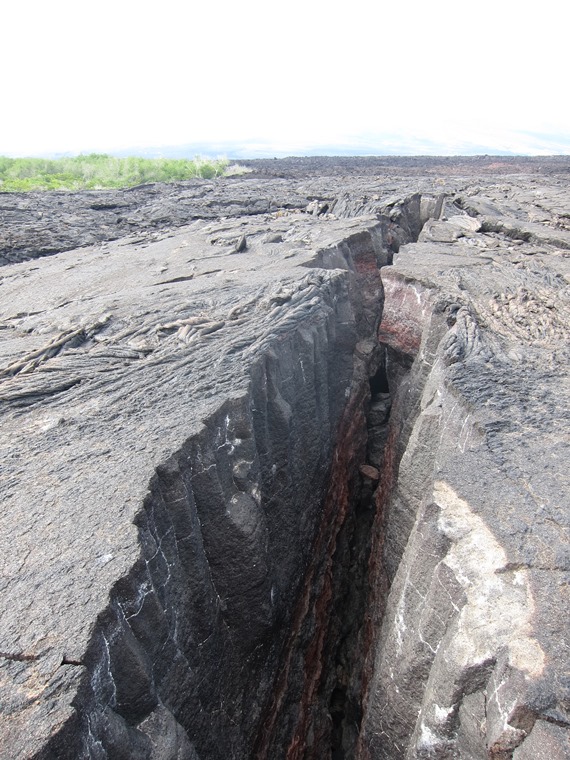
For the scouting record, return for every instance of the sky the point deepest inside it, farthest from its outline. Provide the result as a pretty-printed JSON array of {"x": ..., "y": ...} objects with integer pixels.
[{"x": 439, "y": 78}]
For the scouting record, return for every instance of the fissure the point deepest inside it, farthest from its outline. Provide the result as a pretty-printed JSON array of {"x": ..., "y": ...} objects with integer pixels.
[
  {"x": 323, "y": 681},
  {"x": 305, "y": 505}
]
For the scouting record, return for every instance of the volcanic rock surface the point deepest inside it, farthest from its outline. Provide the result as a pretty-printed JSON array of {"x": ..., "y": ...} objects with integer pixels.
[{"x": 285, "y": 465}]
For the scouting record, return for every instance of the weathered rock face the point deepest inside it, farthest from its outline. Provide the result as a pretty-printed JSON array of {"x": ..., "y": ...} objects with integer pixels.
[
  {"x": 167, "y": 602},
  {"x": 268, "y": 494},
  {"x": 474, "y": 520}
]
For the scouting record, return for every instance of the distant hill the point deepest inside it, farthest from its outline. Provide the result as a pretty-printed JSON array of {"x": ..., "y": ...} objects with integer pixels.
[
  {"x": 396, "y": 144},
  {"x": 520, "y": 143}
]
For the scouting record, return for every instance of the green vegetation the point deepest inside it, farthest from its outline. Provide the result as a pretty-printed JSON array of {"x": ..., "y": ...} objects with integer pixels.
[{"x": 99, "y": 171}]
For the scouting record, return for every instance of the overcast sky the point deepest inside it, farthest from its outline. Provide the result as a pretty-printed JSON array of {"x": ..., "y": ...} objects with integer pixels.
[{"x": 410, "y": 77}]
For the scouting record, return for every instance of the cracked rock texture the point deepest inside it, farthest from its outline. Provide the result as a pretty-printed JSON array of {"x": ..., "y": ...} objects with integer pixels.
[
  {"x": 185, "y": 406},
  {"x": 473, "y": 524}
]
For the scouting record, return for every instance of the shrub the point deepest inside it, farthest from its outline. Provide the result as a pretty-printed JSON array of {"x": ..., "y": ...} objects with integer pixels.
[{"x": 98, "y": 170}]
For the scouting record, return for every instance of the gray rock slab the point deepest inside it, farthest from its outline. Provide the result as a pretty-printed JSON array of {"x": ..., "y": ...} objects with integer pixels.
[
  {"x": 477, "y": 527},
  {"x": 110, "y": 360}
]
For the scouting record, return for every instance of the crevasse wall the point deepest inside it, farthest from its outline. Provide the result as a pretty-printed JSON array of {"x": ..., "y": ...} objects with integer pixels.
[{"x": 183, "y": 662}]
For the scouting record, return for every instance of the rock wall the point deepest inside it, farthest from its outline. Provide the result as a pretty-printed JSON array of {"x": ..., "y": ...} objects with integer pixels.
[
  {"x": 471, "y": 508},
  {"x": 170, "y": 637}
]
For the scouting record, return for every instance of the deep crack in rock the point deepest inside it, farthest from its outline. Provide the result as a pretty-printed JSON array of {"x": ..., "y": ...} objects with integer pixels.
[{"x": 305, "y": 502}]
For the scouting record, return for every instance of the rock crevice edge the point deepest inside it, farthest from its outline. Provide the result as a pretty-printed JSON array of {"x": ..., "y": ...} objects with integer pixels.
[
  {"x": 183, "y": 661},
  {"x": 463, "y": 662}
]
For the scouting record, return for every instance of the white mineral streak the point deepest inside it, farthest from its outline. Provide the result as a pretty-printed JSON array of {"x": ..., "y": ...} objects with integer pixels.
[
  {"x": 497, "y": 615},
  {"x": 480, "y": 565}
]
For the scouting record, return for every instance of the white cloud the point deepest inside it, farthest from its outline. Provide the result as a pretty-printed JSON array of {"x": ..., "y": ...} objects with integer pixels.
[{"x": 119, "y": 74}]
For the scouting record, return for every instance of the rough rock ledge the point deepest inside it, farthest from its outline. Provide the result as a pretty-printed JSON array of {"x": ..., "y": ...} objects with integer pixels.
[{"x": 285, "y": 467}]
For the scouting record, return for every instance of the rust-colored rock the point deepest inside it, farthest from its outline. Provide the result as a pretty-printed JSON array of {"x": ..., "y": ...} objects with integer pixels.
[{"x": 369, "y": 472}]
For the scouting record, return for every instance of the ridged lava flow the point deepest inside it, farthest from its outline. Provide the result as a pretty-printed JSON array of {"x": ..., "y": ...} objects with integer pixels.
[{"x": 290, "y": 486}]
